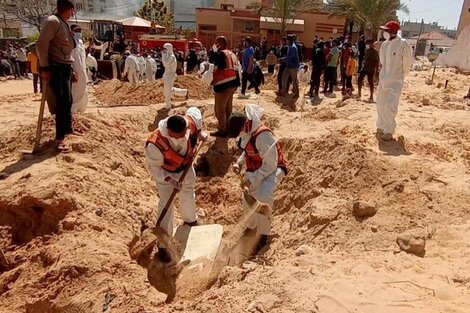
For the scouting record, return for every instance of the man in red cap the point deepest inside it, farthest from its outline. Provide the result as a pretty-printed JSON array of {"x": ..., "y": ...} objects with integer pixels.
[{"x": 396, "y": 57}]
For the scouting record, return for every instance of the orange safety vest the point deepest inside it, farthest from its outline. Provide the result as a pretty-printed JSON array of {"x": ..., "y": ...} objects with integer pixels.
[
  {"x": 173, "y": 161},
  {"x": 222, "y": 76},
  {"x": 253, "y": 159}
]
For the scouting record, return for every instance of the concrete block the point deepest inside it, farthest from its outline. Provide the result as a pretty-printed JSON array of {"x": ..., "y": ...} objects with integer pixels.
[{"x": 199, "y": 242}]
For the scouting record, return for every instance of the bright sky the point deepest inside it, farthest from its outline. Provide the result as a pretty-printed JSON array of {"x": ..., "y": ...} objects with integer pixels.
[{"x": 445, "y": 12}]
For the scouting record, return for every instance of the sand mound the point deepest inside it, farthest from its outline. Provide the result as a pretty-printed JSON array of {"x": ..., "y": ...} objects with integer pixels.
[{"x": 115, "y": 92}]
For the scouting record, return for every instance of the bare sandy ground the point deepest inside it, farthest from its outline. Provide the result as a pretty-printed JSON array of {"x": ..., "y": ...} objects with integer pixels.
[{"x": 67, "y": 222}]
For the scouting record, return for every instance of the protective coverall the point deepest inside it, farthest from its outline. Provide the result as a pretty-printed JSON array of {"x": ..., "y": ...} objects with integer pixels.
[
  {"x": 304, "y": 74},
  {"x": 150, "y": 69},
  {"x": 265, "y": 180},
  {"x": 131, "y": 69},
  {"x": 154, "y": 162},
  {"x": 396, "y": 57},
  {"x": 92, "y": 67},
  {"x": 207, "y": 72},
  {"x": 142, "y": 67},
  {"x": 169, "y": 63},
  {"x": 79, "y": 88}
]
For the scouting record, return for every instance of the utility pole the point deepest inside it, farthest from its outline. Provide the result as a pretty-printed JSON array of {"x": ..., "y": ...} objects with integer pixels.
[{"x": 419, "y": 36}]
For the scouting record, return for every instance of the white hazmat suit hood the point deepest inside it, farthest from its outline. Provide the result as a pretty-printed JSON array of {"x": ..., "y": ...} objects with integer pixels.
[
  {"x": 170, "y": 64},
  {"x": 396, "y": 57},
  {"x": 79, "y": 88},
  {"x": 155, "y": 161},
  {"x": 263, "y": 181}
]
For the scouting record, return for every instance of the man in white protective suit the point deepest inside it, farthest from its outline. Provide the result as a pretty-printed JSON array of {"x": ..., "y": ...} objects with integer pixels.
[
  {"x": 206, "y": 72},
  {"x": 169, "y": 63},
  {"x": 265, "y": 165},
  {"x": 150, "y": 68},
  {"x": 79, "y": 88},
  {"x": 396, "y": 58},
  {"x": 169, "y": 151},
  {"x": 142, "y": 67},
  {"x": 131, "y": 68}
]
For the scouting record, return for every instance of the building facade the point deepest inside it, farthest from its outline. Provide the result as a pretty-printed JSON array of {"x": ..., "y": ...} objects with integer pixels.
[
  {"x": 235, "y": 24},
  {"x": 413, "y": 29},
  {"x": 184, "y": 11},
  {"x": 112, "y": 9},
  {"x": 464, "y": 16}
]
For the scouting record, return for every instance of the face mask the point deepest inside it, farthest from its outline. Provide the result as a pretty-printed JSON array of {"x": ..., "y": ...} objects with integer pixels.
[
  {"x": 78, "y": 36},
  {"x": 386, "y": 35}
]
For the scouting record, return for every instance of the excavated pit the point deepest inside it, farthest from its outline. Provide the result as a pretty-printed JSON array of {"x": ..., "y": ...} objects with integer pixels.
[{"x": 31, "y": 218}]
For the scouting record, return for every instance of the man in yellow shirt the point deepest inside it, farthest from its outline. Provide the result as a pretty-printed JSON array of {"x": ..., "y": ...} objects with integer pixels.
[
  {"x": 350, "y": 71},
  {"x": 33, "y": 60}
]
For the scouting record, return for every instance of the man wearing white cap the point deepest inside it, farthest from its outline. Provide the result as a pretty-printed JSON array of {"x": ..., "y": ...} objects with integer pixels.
[{"x": 396, "y": 58}]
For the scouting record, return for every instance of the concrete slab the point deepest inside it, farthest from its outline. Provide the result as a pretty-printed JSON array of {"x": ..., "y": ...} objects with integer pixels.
[{"x": 199, "y": 242}]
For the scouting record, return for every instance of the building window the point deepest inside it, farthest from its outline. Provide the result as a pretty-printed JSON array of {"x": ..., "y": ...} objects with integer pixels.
[
  {"x": 205, "y": 27},
  {"x": 227, "y": 7},
  {"x": 79, "y": 6},
  {"x": 251, "y": 7},
  {"x": 11, "y": 32},
  {"x": 249, "y": 27}
]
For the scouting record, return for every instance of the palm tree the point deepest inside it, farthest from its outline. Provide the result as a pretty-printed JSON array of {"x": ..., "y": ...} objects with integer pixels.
[
  {"x": 284, "y": 11},
  {"x": 368, "y": 14}
]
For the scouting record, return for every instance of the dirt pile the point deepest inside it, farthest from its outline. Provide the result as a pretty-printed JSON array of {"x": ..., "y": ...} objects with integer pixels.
[{"x": 115, "y": 92}]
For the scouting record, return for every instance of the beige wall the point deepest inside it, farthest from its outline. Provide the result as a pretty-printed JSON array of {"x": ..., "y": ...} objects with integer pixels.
[
  {"x": 464, "y": 17},
  {"x": 238, "y": 4}
]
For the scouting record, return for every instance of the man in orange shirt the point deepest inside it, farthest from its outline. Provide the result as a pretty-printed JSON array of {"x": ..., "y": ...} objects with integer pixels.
[
  {"x": 350, "y": 71},
  {"x": 33, "y": 60}
]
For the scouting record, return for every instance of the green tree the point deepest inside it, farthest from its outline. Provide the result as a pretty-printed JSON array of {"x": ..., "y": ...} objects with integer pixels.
[
  {"x": 32, "y": 12},
  {"x": 368, "y": 14},
  {"x": 154, "y": 10},
  {"x": 284, "y": 11}
]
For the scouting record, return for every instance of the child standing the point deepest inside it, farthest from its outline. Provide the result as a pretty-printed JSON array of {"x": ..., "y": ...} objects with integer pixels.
[{"x": 351, "y": 69}]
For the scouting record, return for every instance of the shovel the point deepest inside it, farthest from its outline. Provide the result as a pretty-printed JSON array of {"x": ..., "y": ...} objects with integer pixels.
[
  {"x": 161, "y": 234},
  {"x": 255, "y": 205},
  {"x": 37, "y": 141}
]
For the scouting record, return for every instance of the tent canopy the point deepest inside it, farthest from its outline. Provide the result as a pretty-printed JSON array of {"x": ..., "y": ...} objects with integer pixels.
[{"x": 135, "y": 21}]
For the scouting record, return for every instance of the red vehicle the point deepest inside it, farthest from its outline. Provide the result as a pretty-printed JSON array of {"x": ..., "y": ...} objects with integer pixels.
[{"x": 152, "y": 42}]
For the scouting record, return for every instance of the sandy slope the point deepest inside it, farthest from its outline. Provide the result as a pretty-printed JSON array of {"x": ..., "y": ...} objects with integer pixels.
[{"x": 67, "y": 221}]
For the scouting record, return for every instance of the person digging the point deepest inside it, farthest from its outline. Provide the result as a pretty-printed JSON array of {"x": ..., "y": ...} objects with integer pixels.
[
  {"x": 265, "y": 165},
  {"x": 169, "y": 151}
]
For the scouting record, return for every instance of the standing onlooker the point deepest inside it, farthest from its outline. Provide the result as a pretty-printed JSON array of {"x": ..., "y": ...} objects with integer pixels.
[
  {"x": 318, "y": 64},
  {"x": 396, "y": 59},
  {"x": 22, "y": 61},
  {"x": 170, "y": 63},
  {"x": 292, "y": 66},
  {"x": 361, "y": 47},
  {"x": 282, "y": 66},
  {"x": 351, "y": 69},
  {"x": 225, "y": 81},
  {"x": 54, "y": 47},
  {"x": 271, "y": 60},
  {"x": 33, "y": 60},
  {"x": 248, "y": 61},
  {"x": 345, "y": 55},
  {"x": 332, "y": 67},
  {"x": 79, "y": 88},
  {"x": 12, "y": 56},
  {"x": 369, "y": 69}
]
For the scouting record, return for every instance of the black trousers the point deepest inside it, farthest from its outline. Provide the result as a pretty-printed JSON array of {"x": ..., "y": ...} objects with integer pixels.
[
  {"x": 61, "y": 85},
  {"x": 271, "y": 68},
  {"x": 248, "y": 78},
  {"x": 315, "y": 81},
  {"x": 37, "y": 79},
  {"x": 330, "y": 78}
]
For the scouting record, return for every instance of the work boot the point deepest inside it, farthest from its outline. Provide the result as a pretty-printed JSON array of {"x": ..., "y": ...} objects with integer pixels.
[
  {"x": 263, "y": 240},
  {"x": 163, "y": 255},
  {"x": 195, "y": 223},
  {"x": 379, "y": 131},
  {"x": 387, "y": 137}
]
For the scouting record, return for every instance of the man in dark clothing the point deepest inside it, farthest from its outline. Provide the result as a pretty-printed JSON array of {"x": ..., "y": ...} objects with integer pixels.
[
  {"x": 192, "y": 61},
  {"x": 361, "y": 47},
  {"x": 318, "y": 63},
  {"x": 282, "y": 67},
  {"x": 371, "y": 63},
  {"x": 248, "y": 62},
  {"x": 345, "y": 53},
  {"x": 54, "y": 47}
]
